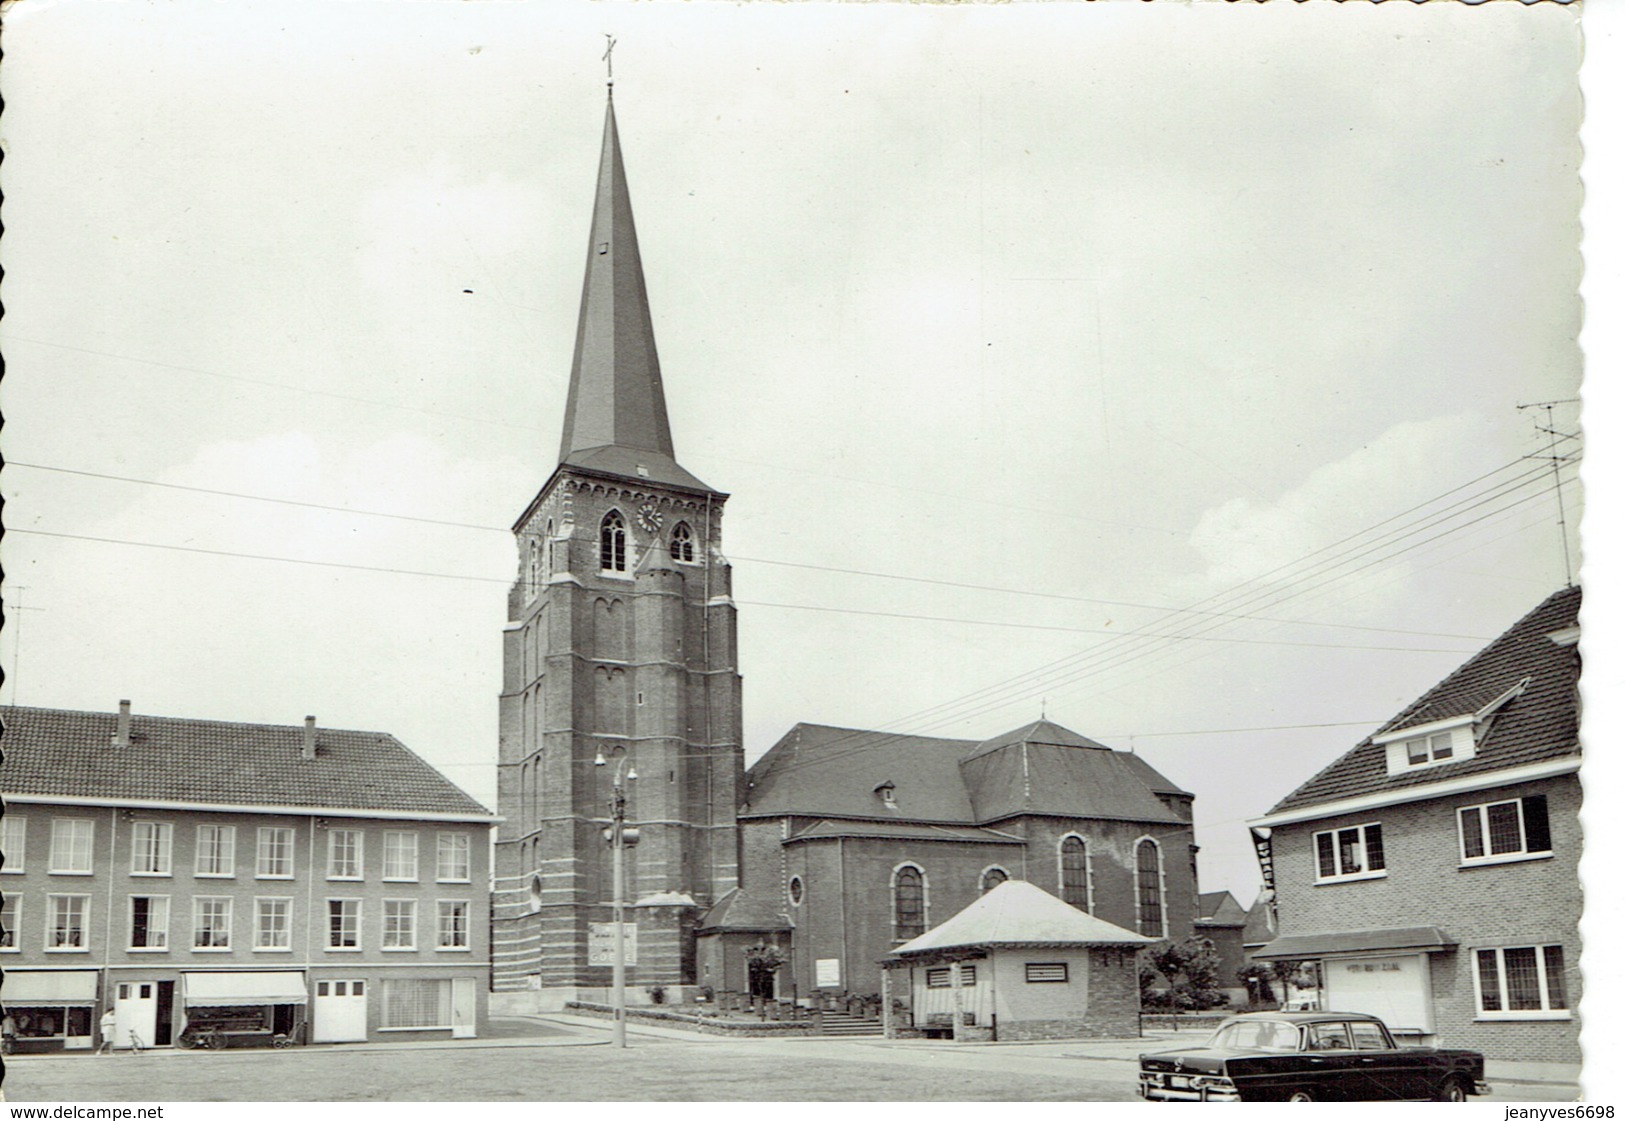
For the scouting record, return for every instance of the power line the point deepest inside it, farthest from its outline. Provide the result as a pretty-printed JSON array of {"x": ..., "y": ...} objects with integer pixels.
[{"x": 1033, "y": 593}]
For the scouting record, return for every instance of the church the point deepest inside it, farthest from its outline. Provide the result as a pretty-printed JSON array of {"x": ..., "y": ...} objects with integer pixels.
[{"x": 621, "y": 673}]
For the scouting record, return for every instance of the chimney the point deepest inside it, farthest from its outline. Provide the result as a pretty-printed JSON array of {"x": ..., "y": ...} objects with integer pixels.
[
  {"x": 308, "y": 750},
  {"x": 122, "y": 737}
]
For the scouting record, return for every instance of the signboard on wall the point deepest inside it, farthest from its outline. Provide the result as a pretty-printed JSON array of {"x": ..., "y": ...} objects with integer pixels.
[
  {"x": 601, "y": 943},
  {"x": 828, "y": 972}
]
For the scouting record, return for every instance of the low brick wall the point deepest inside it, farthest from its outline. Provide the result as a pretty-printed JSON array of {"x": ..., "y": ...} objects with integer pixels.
[
  {"x": 706, "y": 1025},
  {"x": 1083, "y": 1028}
]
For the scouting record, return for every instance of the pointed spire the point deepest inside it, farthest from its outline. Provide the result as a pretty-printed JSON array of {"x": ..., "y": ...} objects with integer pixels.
[{"x": 616, "y": 397}]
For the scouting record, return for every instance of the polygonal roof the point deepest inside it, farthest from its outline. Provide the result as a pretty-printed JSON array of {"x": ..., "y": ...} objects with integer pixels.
[{"x": 1017, "y": 913}]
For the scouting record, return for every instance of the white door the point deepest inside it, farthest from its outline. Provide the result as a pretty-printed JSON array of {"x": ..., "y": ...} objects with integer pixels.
[
  {"x": 135, "y": 1012},
  {"x": 462, "y": 1008},
  {"x": 1395, "y": 988},
  {"x": 339, "y": 1012}
]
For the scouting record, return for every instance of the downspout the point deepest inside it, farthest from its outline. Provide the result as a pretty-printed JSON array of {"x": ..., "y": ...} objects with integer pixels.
[
  {"x": 840, "y": 879},
  {"x": 310, "y": 898},
  {"x": 112, "y": 870}
]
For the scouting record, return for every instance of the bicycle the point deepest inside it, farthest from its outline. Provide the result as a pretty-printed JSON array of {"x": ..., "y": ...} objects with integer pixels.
[{"x": 136, "y": 1045}]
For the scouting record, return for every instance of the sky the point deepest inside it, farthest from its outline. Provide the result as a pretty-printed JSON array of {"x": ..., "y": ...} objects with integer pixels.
[{"x": 1153, "y": 367}]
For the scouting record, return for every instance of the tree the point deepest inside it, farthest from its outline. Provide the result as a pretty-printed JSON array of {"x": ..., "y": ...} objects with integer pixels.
[{"x": 1191, "y": 971}]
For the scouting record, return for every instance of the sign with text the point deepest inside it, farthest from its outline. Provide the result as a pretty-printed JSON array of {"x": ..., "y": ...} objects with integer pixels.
[
  {"x": 828, "y": 971},
  {"x": 601, "y": 943}
]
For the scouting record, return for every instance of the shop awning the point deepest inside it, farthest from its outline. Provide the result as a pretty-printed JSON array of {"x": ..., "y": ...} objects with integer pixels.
[
  {"x": 217, "y": 989},
  {"x": 1414, "y": 939},
  {"x": 49, "y": 986}
]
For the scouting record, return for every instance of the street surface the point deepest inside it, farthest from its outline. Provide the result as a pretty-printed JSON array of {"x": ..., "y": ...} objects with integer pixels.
[{"x": 531, "y": 1060}]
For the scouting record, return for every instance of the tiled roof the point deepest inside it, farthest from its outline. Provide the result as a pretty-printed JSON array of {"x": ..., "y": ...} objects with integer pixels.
[
  {"x": 60, "y": 752},
  {"x": 740, "y": 910},
  {"x": 1540, "y": 724},
  {"x": 1260, "y": 926},
  {"x": 903, "y": 829},
  {"x": 819, "y": 771},
  {"x": 1219, "y": 908},
  {"x": 1017, "y": 913}
]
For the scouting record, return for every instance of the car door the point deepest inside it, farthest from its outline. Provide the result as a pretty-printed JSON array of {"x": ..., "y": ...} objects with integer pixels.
[
  {"x": 1390, "y": 1071},
  {"x": 1331, "y": 1065}
]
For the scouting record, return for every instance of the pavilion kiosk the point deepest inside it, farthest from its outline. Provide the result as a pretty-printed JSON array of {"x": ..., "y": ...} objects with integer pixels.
[{"x": 1016, "y": 964}]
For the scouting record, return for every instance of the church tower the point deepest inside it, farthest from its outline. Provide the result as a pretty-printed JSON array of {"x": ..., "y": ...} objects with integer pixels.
[{"x": 620, "y": 641}]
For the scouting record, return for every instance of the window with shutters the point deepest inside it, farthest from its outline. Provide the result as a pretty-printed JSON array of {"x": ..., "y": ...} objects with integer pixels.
[
  {"x": 1521, "y": 983},
  {"x": 1502, "y": 832},
  {"x": 1351, "y": 853}
]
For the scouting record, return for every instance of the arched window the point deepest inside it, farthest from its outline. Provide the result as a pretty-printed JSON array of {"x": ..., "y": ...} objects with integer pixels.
[
  {"x": 992, "y": 878},
  {"x": 1148, "y": 884},
  {"x": 908, "y": 903},
  {"x": 1075, "y": 872},
  {"x": 535, "y": 894},
  {"x": 612, "y": 542},
  {"x": 533, "y": 577},
  {"x": 547, "y": 553},
  {"x": 682, "y": 543}
]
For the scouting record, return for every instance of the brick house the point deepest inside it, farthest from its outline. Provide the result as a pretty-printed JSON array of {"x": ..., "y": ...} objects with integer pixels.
[
  {"x": 325, "y": 884},
  {"x": 1433, "y": 870},
  {"x": 855, "y": 842},
  {"x": 1221, "y": 920}
]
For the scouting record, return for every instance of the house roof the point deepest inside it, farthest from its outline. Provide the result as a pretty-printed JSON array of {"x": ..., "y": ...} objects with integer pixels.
[
  {"x": 66, "y": 753},
  {"x": 1017, "y": 913},
  {"x": 1042, "y": 768},
  {"x": 1260, "y": 926},
  {"x": 1219, "y": 908},
  {"x": 740, "y": 910},
  {"x": 1535, "y": 726},
  {"x": 1294, "y": 946}
]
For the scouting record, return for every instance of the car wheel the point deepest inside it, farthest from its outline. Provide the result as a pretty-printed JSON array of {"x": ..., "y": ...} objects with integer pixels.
[
  {"x": 1300, "y": 1095},
  {"x": 1451, "y": 1090}
]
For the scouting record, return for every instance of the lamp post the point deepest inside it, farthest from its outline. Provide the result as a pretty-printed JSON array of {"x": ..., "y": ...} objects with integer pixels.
[{"x": 619, "y": 838}]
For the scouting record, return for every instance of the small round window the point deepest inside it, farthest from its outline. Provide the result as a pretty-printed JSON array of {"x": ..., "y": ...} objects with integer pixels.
[{"x": 796, "y": 890}]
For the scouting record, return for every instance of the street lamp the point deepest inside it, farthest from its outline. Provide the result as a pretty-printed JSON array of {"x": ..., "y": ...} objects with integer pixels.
[{"x": 619, "y": 838}]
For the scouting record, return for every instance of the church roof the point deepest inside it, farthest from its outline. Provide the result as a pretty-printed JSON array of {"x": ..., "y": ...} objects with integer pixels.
[
  {"x": 819, "y": 771},
  {"x": 1539, "y": 724},
  {"x": 1043, "y": 768},
  {"x": 1046, "y": 769},
  {"x": 740, "y": 910},
  {"x": 825, "y": 828},
  {"x": 1017, "y": 913},
  {"x": 66, "y": 753},
  {"x": 615, "y": 419}
]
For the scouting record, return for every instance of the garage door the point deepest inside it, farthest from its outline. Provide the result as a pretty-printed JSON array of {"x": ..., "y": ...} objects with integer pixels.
[
  {"x": 339, "y": 1012},
  {"x": 1394, "y": 988}
]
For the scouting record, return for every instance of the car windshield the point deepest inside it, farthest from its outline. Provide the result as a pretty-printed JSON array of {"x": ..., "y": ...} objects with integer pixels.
[{"x": 1256, "y": 1035}]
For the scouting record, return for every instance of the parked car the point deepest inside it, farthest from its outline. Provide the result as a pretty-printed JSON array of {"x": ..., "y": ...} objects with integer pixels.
[{"x": 1309, "y": 1056}]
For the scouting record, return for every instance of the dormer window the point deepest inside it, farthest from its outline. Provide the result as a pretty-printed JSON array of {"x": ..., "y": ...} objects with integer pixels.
[
  {"x": 888, "y": 795},
  {"x": 682, "y": 543},
  {"x": 1449, "y": 740},
  {"x": 1429, "y": 749},
  {"x": 612, "y": 542}
]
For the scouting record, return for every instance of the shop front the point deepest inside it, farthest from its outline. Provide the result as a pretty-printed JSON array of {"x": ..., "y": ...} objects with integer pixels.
[
  {"x": 50, "y": 1010},
  {"x": 243, "y": 1009}
]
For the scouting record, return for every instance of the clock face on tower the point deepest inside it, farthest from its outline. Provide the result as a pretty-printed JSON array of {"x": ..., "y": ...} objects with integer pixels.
[{"x": 649, "y": 517}]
